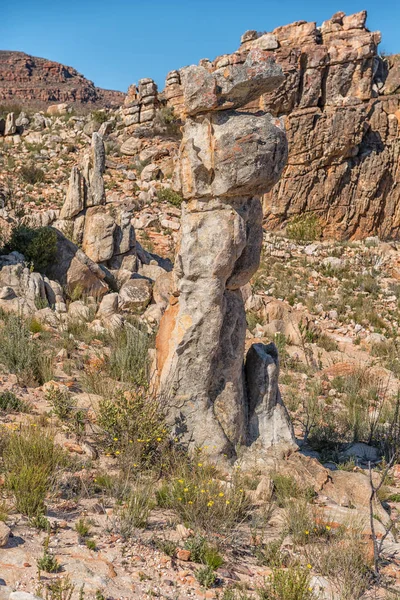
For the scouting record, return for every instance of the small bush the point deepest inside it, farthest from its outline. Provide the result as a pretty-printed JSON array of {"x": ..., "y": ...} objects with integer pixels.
[
  {"x": 39, "y": 246},
  {"x": 40, "y": 522},
  {"x": 166, "y": 546},
  {"x": 303, "y": 228},
  {"x": 202, "y": 552},
  {"x": 31, "y": 174},
  {"x": 31, "y": 459},
  {"x": 48, "y": 562},
  {"x": 61, "y": 402},
  {"x": 345, "y": 562},
  {"x": 168, "y": 195},
  {"x": 326, "y": 342},
  {"x": 200, "y": 498},
  {"x": 134, "y": 428},
  {"x": 10, "y": 403},
  {"x": 18, "y": 351},
  {"x": 206, "y": 576},
  {"x": 82, "y": 527},
  {"x": 129, "y": 356},
  {"x": 271, "y": 555},
  {"x": 99, "y": 116},
  {"x": 167, "y": 122},
  {"x": 286, "y": 487},
  {"x": 292, "y": 584},
  {"x": 135, "y": 511}
]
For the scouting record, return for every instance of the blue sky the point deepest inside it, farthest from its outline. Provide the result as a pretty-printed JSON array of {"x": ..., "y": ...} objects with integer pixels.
[{"x": 115, "y": 43}]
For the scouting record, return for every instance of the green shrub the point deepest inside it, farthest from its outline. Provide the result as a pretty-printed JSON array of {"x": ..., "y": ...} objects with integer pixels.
[
  {"x": 61, "y": 402},
  {"x": 197, "y": 494},
  {"x": 135, "y": 511},
  {"x": 31, "y": 174},
  {"x": 99, "y": 116},
  {"x": 202, "y": 552},
  {"x": 82, "y": 527},
  {"x": 168, "y": 195},
  {"x": 271, "y": 555},
  {"x": 18, "y": 351},
  {"x": 31, "y": 459},
  {"x": 129, "y": 360},
  {"x": 167, "y": 122},
  {"x": 47, "y": 562},
  {"x": 303, "y": 228},
  {"x": 39, "y": 246},
  {"x": 206, "y": 576},
  {"x": 39, "y": 521},
  {"x": 10, "y": 403},
  {"x": 292, "y": 584},
  {"x": 166, "y": 546},
  {"x": 286, "y": 487}
]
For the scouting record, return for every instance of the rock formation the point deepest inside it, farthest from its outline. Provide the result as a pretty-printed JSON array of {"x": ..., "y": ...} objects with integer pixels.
[
  {"x": 37, "y": 82},
  {"x": 340, "y": 102},
  {"x": 84, "y": 216},
  {"x": 140, "y": 103},
  {"x": 227, "y": 158}
]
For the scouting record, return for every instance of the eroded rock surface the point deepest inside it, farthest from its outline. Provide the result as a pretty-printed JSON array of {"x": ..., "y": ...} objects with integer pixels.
[
  {"x": 226, "y": 159},
  {"x": 340, "y": 103}
]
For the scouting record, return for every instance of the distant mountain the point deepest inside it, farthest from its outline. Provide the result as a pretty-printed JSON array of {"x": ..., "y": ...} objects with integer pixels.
[{"x": 33, "y": 82}]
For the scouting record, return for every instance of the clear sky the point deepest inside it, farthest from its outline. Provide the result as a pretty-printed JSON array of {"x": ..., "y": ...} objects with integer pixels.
[{"x": 116, "y": 42}]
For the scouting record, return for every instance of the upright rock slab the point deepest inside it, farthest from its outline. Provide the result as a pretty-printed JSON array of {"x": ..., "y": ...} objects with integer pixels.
[{"x": 227, "y": 158}]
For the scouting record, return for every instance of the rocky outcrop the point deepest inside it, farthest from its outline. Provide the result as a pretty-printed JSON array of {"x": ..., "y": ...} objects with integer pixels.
[
  {"x": 103, "y": 234},
  {"x": 340, "y": 102},
  {"x": 226, "y": 158},
  {"x": 36, "y": 83},
  {"x": 140, "y": 103}
]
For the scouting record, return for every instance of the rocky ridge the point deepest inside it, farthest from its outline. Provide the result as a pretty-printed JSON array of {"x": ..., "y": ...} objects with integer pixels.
[{"x": 33, "y": 82}]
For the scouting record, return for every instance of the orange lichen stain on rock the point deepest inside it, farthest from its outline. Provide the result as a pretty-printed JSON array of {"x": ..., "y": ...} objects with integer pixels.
[{"x": 165, "y": 333}]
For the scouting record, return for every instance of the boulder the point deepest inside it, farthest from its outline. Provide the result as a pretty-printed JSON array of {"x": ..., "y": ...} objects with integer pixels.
[
  {"x": 74, "y": 270},
  {"x": 131, "y": 146},
  {"x": 79, "y": 311},
  {"x": 75, "y": 200},
  {"x": 10, "y": 127},
  {"x": 98, "y": 236},
  {"x": 135, "y": 295},
  {"x": 108, "y": 306},
  {"x": 231, "y": 86},
  {"x": 4, "y": 534},
  {"x": 268, "y": 419},
  {"x": 58, "y": 109}
]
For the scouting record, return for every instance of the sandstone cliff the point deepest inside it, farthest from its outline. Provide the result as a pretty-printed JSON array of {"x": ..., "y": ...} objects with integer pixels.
[
  {"x": 37, "y": 82},
  {"x": 340, "y": 102}
]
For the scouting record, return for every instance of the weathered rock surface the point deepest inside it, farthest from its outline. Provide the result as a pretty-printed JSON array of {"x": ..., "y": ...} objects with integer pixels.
[
  {"x": 4, "y": 534},
  {"x": 340, "y": 102},
  {"x": 226, "y": 158},
  {"x": 268, "y": 420},
  {"x": 75, "y": 270}
]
